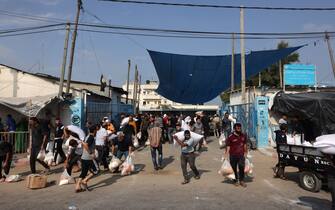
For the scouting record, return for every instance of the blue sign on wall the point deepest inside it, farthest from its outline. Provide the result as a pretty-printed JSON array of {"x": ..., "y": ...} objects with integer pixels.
[
  {"x": 299, "y": 74},
  {"x": 76, "y": 108}
]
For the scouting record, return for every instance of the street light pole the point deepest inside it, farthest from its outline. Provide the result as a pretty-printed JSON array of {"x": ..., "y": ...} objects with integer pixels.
[{"x": 242, "y": 54}]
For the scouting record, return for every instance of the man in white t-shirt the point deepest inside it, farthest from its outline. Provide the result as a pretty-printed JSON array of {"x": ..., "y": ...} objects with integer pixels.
[{"x": 101, "y": 146}]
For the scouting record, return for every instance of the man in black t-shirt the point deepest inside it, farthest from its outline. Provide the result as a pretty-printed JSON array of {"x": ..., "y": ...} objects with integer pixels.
[
  {"x": 38, "y": 142},
  {"x": 6, "y": 154},
  {"x": 59, "y": 141},
  {"x": 124, "y": 145},
  {"x": 281, "y": 138}
]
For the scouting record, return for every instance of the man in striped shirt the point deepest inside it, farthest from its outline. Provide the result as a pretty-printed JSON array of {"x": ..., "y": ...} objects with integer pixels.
[{"x": 154, "y": 137}]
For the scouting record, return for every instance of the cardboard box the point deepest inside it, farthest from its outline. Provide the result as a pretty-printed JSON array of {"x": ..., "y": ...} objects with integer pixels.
[{"x": 36, "y": 181}]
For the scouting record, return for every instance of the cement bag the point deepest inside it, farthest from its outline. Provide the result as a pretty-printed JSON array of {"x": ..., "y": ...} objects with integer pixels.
[
  {"x": 226, "y": 168},
  {"x": 222, "y": 140},
  {"x": 49, "y": 157},
  {"x": 328, "y": 150},
  {"x": 65, "y": 178},
  {"x": 135, "y": 142},
  {"x": 115, "y": 162},
  {"x": 124, "y": 122},
  {"x": 330, "y": 138},
  {"x": 127, "y": 166},
  {"x": 41, "y": 155},
  {"x": 195, "y": 136},
  {"x": 13, "y": 178}
]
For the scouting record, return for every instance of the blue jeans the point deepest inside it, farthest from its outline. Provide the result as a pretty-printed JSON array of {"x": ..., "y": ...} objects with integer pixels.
[
  {"x": 119, "y": 154},
  {"x": 154, "y": 155}
]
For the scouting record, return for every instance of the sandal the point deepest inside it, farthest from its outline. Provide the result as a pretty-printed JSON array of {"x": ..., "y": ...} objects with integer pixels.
[{"x": 80, "y": 190}]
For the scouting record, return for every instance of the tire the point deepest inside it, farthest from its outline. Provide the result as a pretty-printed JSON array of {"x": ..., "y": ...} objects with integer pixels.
[{"x": 309, "y": 181}]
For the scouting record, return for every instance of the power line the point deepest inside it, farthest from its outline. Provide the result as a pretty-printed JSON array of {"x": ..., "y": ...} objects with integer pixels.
[
  {"x": 225, "y": 6},
  {"x": 32, "y": 17},
  {"x": 29, "y": 28},
  {"x": 200, "y": 32},
  {"x": 32, "y": 32},
  {"x": 200, "y": 37}
]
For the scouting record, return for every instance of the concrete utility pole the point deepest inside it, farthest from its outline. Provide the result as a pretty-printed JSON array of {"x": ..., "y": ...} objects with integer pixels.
[
  {"x": 139, "y": 92},
  {"x": 242, "y": 55},
  {"x": 128, "y": 81},
  {"x": 61, "y": 79},
  {"x": 232, "y": 63},
  {"x": 330, "y": 52},
  {"x": 259, "y": 79},
  {"x": 280, "y": 74},
  {"x": 73, "y": 45},
  {"x": 135, "y": 89}
]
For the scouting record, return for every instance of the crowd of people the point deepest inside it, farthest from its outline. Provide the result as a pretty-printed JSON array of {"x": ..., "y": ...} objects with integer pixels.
[{"x": 92, "y": 149}]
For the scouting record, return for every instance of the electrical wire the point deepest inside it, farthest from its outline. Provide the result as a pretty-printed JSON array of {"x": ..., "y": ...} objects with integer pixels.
[
  {"x": 201, "y": 37},
  {"x": 32, "y": 32},
  {"x": 29, "y": 28},
  {"x": 224, "y": 6}
]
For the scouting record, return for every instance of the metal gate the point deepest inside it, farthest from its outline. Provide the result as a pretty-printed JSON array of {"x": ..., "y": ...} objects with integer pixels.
[
  {"x": 95, "y": 111},
  {"x": 246, "y": 115}
]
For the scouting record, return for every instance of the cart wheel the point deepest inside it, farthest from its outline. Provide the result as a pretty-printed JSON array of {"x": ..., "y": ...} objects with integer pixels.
[{"x": 309, "y": 181}]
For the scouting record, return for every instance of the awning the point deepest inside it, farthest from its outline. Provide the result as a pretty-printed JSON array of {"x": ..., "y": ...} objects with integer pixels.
[
  {"x": 28, "y": 106},
  {"x": 191, "y": 79}
]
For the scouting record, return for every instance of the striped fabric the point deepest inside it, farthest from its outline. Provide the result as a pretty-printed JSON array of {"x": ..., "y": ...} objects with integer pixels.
[{"x": 155, "y": 135}]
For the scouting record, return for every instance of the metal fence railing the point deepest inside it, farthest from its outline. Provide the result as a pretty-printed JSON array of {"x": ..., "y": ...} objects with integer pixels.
[
  {"x": 19, "y": 140},
  {"x": 245, "y": 114}
]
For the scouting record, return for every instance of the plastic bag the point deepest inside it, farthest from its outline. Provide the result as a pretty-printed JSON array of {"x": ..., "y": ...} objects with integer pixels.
[
  {"x": 13, "y": 178},
  {"x": 65, "y": 178},
  {"x": 50, "y": 146},
  {"x": 135, "y": 142},
  {"x": 49, "y": 157},
  {"x": 115, "y": 162},
  {"x": 41, "y": 155},
  {"x": 139, "y": 135},
  {"x": 247, "y": 166},
  {"x": 222, "y": 140},
  {"x": 127, "y": 166},
  {"x": 226, "y": 168},
  {"x": 147, "y": 143}
]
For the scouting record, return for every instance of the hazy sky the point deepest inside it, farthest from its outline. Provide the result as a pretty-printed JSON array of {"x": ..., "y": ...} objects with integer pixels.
[{"x": 108, "y": 54}]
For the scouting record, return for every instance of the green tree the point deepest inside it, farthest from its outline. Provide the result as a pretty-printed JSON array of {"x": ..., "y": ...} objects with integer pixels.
[{"x": 270, "y": 77}]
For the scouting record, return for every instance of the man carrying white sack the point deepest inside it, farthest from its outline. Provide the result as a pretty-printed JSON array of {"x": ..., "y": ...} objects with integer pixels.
[
  {"x": 187, "y": 155},
  {"x": 237, "y": 150}
]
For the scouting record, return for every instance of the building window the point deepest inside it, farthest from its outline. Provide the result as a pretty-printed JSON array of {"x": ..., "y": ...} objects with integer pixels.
[{"x": 144, "y": 103}]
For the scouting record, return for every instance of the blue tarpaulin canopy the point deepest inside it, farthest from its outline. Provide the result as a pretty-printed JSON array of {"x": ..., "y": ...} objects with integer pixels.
[{"x": 191, "y": 79}]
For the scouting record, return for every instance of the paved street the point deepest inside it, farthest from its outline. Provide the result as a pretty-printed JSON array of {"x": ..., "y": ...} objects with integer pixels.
[{"x": 148, "y": 189}]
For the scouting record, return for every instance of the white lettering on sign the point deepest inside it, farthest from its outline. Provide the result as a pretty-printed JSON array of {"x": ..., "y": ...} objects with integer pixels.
[
  {"x": 316, "y": 161},
  {"x": 305, "y": 159},
  {"x": 281, "y": 155},
  {"x": 296, "y": 157}
]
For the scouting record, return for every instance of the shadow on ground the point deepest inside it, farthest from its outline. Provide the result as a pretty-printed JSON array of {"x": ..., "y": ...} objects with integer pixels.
[
  {"x": 115, "y": 177},
  {"x": 314, "y": 203}
]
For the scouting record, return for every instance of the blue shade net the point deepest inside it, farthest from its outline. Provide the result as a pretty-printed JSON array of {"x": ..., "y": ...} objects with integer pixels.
[{"x": 191, "y": 79}]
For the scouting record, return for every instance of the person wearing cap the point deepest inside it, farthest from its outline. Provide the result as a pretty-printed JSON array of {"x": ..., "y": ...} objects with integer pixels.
[
  {"x": 59, "y": 133},
  {"x": 237, "y": 151},
  {"x": 187, "y": 144}
]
